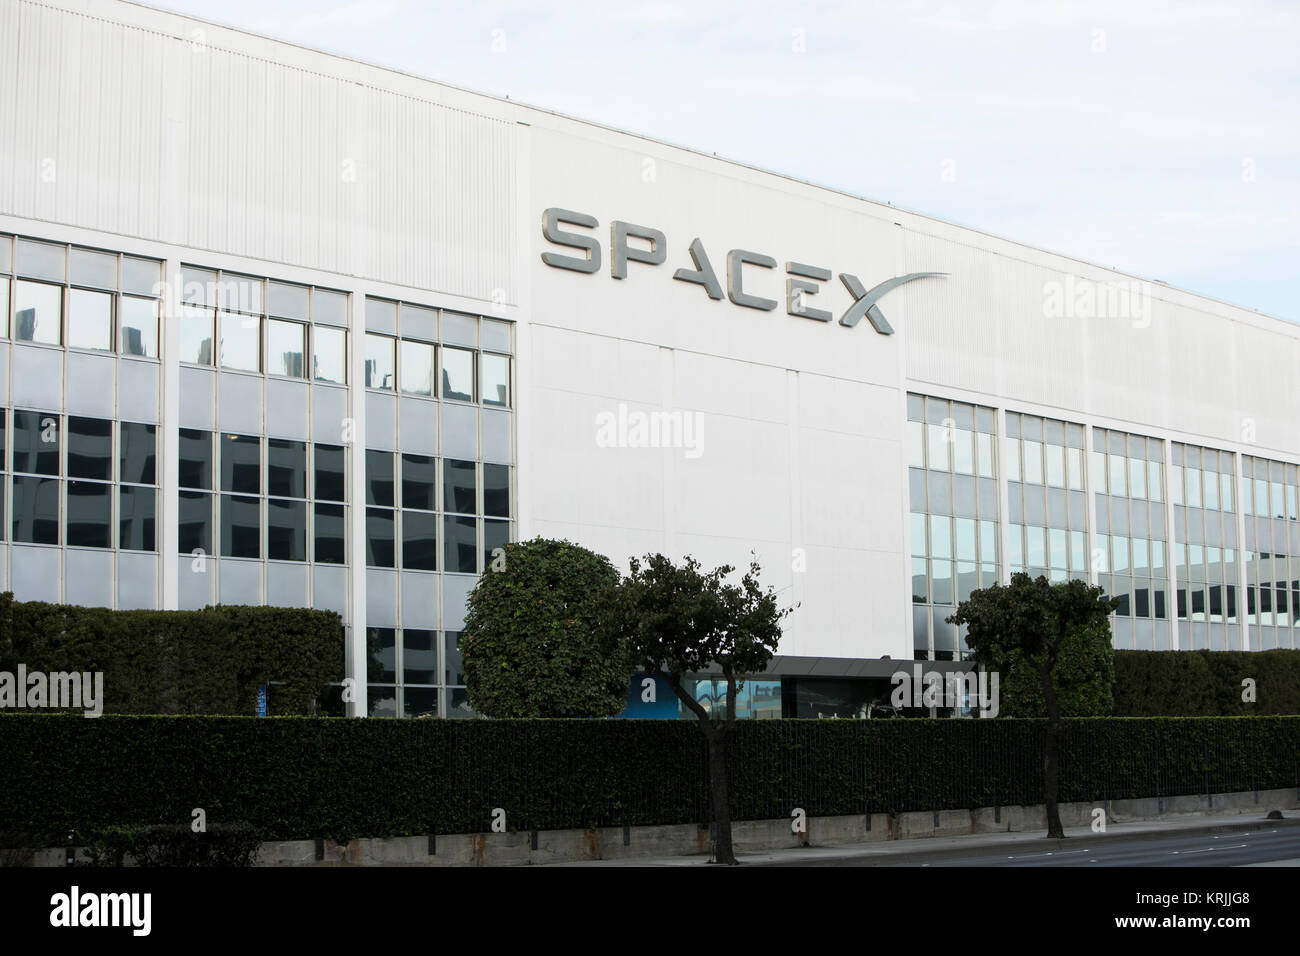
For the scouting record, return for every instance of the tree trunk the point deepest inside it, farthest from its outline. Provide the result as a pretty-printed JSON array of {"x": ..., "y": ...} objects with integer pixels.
[
  {"x": 1052, "y": 757},
  {"x": 722, "y": 848}
]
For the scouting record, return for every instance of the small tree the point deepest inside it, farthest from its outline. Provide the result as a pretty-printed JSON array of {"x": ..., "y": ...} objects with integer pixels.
[
  {"x": 1084, "y": 677},
  {"x": 681, "y": 620},
  {"x": 540, "y": 639},
  {"x": 1033, "y": 618}
]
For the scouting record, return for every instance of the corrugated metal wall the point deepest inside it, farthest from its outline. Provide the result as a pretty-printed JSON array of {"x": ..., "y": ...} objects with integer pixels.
[{"x": 115, "y": 128}]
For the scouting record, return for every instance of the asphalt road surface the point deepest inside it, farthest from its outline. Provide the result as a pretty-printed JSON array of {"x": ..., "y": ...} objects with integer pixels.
[{"x": 1266, "y": 845}]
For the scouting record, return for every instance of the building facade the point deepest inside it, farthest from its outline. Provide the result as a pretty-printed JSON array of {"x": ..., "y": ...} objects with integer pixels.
[{"x": 281, "y": 327}]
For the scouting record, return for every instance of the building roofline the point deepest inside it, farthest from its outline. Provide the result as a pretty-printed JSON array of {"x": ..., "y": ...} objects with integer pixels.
[{"x": 595, "y": 124}]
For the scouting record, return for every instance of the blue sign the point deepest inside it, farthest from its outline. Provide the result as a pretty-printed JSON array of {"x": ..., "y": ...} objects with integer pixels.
[
  {"x": 650, "y": 698},
  {"x": 261, "y": 701}
]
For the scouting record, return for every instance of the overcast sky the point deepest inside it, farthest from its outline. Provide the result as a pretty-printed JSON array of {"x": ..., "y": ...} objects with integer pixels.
[{"x": 1160, "y": 138}]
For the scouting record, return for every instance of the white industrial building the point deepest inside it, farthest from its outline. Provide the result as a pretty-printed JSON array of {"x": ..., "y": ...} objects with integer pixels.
[{"x": 283, "y": 327}]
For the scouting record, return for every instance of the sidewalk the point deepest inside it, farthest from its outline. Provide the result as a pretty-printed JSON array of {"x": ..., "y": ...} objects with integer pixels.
[{"x": 921, "y": 849}]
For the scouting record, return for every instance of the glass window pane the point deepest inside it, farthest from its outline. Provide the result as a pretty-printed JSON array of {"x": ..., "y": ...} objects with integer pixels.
[
  {"x": 496, "y": 380},
  {"x": 938, "y": 445},
  {"x": 451, "y": 658},
  {"x": 461, "y": 545},
  {"x": 198, "y": 286},
  {"x": 1210, "y": 482},
  {"x": 915, "y": 445},
  {"x": 90, "y": 448},
  {"x": 419, "y": 482},
  {"x": 1137, "y": 475},
  {"x": 137, "y": 453},
  {"x": 139, "y": 327},
  {"x": 38, "y": 313},
  {"x": 241, "y": 464},
  {"x": 419, "y": 701},
  {"x": 1074, "y": 468},
  {"x": 419, "y": 656},
  {"x": 984, "y": 450},
  {"x": 1016, "y": 547},
  {"x": 1013, "y": 459},
  {"x": 417, "y": 368},
  {"x": 457, "y": 374},
  {"x": 1055, "y": 465},
  {"x": 195, "y": 458},
  {"x": 496, "y": 490},
  {"x": 330, "y": 480},
  {"x": 918, "y": 535},
  {"x": 287, "y": 301},
  {"x": 286, "y": 530},
  {"x": 379, "y": 478},
  {"x": 284, "y": 347},
  {"x": 419, "y": 540},
  {"x": 1056, "y": 544},
  {"x": 1078, "y": 563},
  {"x": 241, "y": 526},
  {"x": 195, "y": 523},
  {"x": 44, "y": 260},
  {"x": 1035, "y": 552},
  {"x": 965, "y": 539},
  {"x": 4, "y": 307},
  {"x": 1098, "y": 473},
  {"x": 919, "y": 578},
  {"x": 241, "y": 342},
  {"x": 90, "y": 320},
  {"x": 379, "y": 362},
  {"x": 330, "y": 307},
  {"x": 1119, "y": 553},
  {"x": 36, "y": 442},
  {"x": 1118, "y": 484},
  {"x": 330, "y": 534},
  {"x": 92, "y": 268},
  {"x": 496, "y": 535},
  {"x": 941, "y": 537},
  {"x": 241, "y": 293},
  {"x": 142, "y": 276},
  {"x": 379, "y": 538},
  {"x": 330, "y": 355},
  {"x": 136, "y": 518},
  {"x": 382, "y": 663},
  {"x": 459, "y": 486},
  {"x": 196, "y": 335},
  {"x": 286, "y": 468},
  {"x": 988, "y": 542},
  {"x": 1155, "y": 481},
  {"x": 1033, "y": 462},
  {"x": 36, "y": 510},
  {"x": 90, "y": 510},
  {"x": 1193, "y": 477}
]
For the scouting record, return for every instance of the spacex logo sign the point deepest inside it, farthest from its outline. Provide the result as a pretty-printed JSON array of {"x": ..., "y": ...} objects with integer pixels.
[{"x": 652, "y": 249}]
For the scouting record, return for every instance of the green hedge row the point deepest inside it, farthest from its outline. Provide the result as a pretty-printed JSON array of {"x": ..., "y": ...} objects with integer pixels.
[
  {"x": 180, "y": 662},
  {"x": 299, "y": 778},
  {"x": 1205, "y": 683}
]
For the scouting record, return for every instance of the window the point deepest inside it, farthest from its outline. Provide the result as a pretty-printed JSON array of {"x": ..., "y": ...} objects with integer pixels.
[
  {"x": 379, "y": 538},
  {"x": 36, "y": 443},
  {"x": 4, "y": 306},
  {"x": 139, "y": 326},
  {"x": 137, "y": 452},
  {"x": 195, "y": 522},
  {"x": 496, "y": 490},
  {"x": 330, "y": 534},
  {"x": 241, "y": 345},
  {"x": 286, "y": 530},
  {"x": 90, "y": 448},
  {"x": 379, "y": 362},
  {"x": 419, "y": 540},
  {"x": 36, "y": 510},
  {"x": 90, "y": 320},
  {"x": 330, "y": 355},
  {"x": 496, "y": 384},
  {"x": 457, "y": 374},
  {"x": 417, "y": 372},
  {"x": 196, "y": 335},
  {"x": 241, "y": 464},
  {"x": 419, "y": 482},
  {"x": 136, "y": 518},
  {"x": 461, "y": 550},
  {"x": 379, "y": 478},
  {"x": 330, "y": 480},
  {"x": 284, "y": 347},
  {"x": 38, "y": 313},
  {"x": 459, "y": 489},
  {"x": 90, "y": 509},
  {"x": 241, "y": 526},
  {"x": 89, "y": 267},
  {"x": 195, "y": 459},
  {"x": 496, "y": 535},
  {"x": 286, "y": 468},
  {"x": 419, "y": 656},
  {"x": 42, "y": 260}
]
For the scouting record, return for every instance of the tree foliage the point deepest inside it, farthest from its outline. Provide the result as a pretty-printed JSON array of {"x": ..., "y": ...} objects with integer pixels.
[
  {"x": 1084, "y": 678},
  {"x": 680, "y": 620},
  {"x": 1033, "y": 621},
  {"x": 540, "y": 638}
]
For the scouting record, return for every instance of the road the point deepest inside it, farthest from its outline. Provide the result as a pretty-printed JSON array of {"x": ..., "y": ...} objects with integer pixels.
[{"x": 1267, "y": 845}]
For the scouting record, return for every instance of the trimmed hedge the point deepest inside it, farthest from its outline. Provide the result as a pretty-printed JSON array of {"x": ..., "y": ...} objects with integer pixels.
[
  {"x": 1205, "y": 683},
  {"x": 224, "y": 845},
  {"x": 300, "y": 778},
  {"x": 180, "y": 662}
]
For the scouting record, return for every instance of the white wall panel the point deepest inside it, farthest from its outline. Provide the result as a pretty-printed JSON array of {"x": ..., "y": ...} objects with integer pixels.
[{"x": 124, "y": 129}]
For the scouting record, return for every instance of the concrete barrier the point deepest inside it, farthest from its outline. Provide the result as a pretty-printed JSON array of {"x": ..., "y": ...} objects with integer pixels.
[{"x": 519, "y": 848}]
